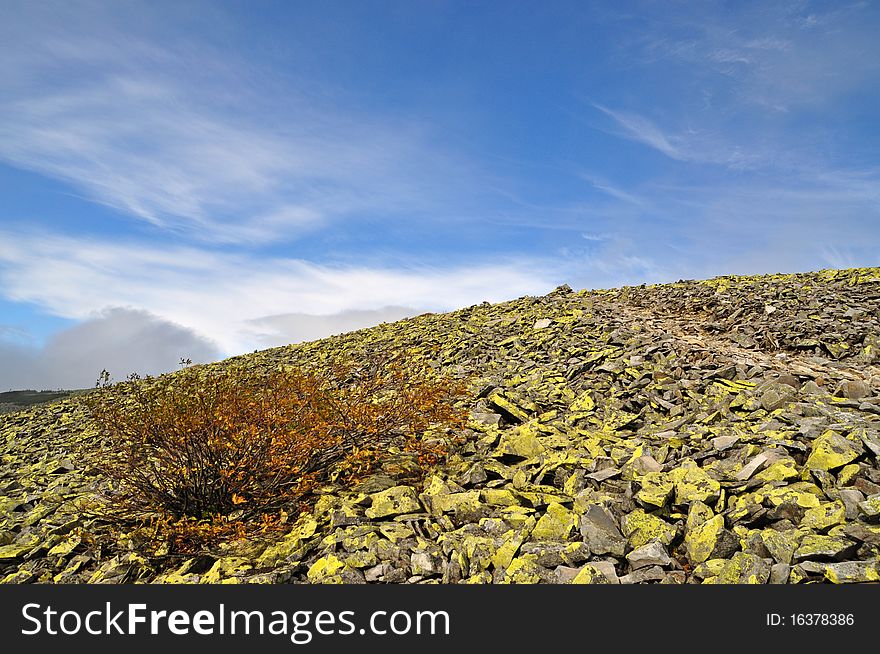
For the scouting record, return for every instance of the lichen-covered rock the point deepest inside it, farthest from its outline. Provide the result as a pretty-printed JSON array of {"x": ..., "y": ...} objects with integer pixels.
[
  {"x": 225, "y": 570},
  {"x": 656, "y": 489},
  {"x": 816, "y": 546},
  {"x": 556, "y": 524},
  {"x": 831, "y": 451},
  {"x": 291, "y": 547},
  {"x": 693, "y": 484},
  {"x": 327, "y": 570},
  {"x": 781, "y": 544},
  {"x": 522, "y": 442},
  {"x": 14, "y": 551},
  {"x": 852, "y": 572},
  {"x": 641, "y": 528},
  {"x": 590, "y": 574},
  {"x": 710, "y": 540},
  {"x": 825, "y": 516},
  {"x": 394, "y": 501},
  {"x": 524, "y": 570},
  {"x": 744, "y": 568},
  {"x": 723, "y": 431},
  {"x": 871, "y": 506}
]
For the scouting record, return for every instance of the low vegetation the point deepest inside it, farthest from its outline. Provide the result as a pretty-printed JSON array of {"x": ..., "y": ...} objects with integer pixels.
[{"x": 208, "y": 452}]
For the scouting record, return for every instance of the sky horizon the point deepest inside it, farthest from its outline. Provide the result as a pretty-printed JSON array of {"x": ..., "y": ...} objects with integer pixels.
[{"x": 203, "y": 179}]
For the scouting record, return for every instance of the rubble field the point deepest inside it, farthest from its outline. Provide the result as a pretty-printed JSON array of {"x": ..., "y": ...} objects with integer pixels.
[{"x": 720, "y": 431}]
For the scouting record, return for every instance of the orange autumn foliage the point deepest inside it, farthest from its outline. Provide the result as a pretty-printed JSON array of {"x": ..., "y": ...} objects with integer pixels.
[{"x": 211, "y": 449}]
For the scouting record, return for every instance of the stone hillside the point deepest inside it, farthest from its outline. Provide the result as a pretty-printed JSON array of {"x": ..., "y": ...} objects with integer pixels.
[{"x": 720, "y": 431}]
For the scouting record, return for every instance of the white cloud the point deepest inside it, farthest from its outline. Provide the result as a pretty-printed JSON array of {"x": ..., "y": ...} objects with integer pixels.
[
  {"x": 691, "y": 145},
  {"x": 225, "y": 296},
  {"x": 300, "y": 327},
  {"x": 640, "y": 129},
  {"x": 612, "y": 190},
  {"x": 150, "y": 127},
  {"x": 771, "y": 56},
  {"x": 119, "y": 340}
]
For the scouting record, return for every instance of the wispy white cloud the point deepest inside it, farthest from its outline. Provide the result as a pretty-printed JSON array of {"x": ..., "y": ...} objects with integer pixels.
[
  {"x": 640, "y": 129},
  {"x": 757, "y": 223},
  {"x": 152, "y": 129},
  {"x": 690, "y": 145},
  {"x": 771, "y": 56},
  {"x": 612, "y": 190},
  {"x": 231, "y": 298}
]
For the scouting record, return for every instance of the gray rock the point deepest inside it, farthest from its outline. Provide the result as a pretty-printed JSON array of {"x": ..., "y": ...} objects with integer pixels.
[
  {"x": 776, "y": 396},
  {"x": 789, "y": 380},
  {"x": 649, "y": 555},
  {"x": 376, "y": 573},
  {"x": 779, "y": 573},
  {"x": 640, "y": 576},
  {"x": 608, "y": 570},
  {"x": 851, "y": 499},
  {"x": 758, "y": 462},
  {"x": 601, "y": 533},
  {"x": 603, "y": 474},
  {"x": 853, "y": 390},
  {"x": 812, "y": 388},
  {"x": 723, "y": 443}
]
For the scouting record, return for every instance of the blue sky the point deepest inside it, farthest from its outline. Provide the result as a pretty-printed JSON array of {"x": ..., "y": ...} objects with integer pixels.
[{"x": 205, "y": 179}]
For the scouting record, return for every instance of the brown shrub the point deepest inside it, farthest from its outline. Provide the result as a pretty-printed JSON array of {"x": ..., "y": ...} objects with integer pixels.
[{"x": 204, "y": 445}]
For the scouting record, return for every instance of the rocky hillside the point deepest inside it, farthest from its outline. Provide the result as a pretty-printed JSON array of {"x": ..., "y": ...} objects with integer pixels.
[
  {"x": 720, "y": 431},
  {"x": 11, "y": 401}
]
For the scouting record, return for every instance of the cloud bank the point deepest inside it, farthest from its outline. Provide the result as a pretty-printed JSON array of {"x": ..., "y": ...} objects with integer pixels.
[
  {"x": 239, "y": 301},
  {"x": 120, "y": 340}
]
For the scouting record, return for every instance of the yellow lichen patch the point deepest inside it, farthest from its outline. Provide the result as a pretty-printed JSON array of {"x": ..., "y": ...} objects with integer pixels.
[
  {"x": 498, "y": 497},
  {"x": 831, "y": 451},
  {"x": 393, "y": 501},
  {"x": 589, "y": 574},
  {"x": 555, "y": 525},
  {"x": 325, "y": 570},
  {"x": 853, "y": 572},
  {"x": 522, "y": 570},
  {"x": 641, "y": 528},
  {"x": 744, "y": 568},
  {"x": 780, "y": 544},
  {"x": 847, "y": 474},
  {"x": 785, "y": 470},
  {"x": 656, "y": 489},
  {"x": 802, "y": 494},
  {"x": 303, "y": 530},
  {"x": 704, "y": 541},
  {"x": 824, "y": 516},
  {"x": 522, "y": 441},
  {"x": 225, "y": 568},
  {"x": 693, "y": 484}
]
